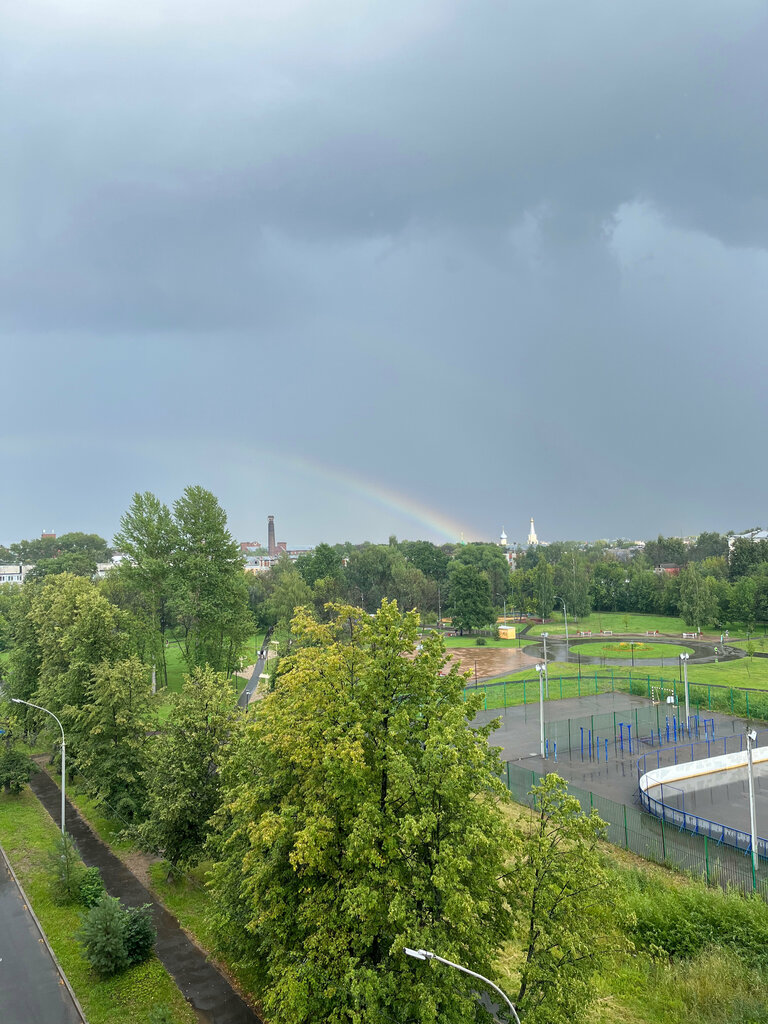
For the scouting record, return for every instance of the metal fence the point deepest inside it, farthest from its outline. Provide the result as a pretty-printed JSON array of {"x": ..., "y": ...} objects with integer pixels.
[
  {"x": 657, "y": 839},
  {"x": 732, "y": 700}
]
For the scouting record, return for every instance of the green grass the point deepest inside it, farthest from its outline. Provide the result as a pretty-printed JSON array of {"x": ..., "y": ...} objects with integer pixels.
[
  {"x": 27, "y": 833},
  {"x": 623, "y": 650},
  {"x": 617, "y": 622}
]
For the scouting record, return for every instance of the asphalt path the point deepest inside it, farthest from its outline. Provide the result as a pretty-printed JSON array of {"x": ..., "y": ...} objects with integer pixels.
[
  {"x": 32, "y": 990},
  {"x": 200, "y": 982},
  {"x": 560, "y": 651},
  {"x": 245, "y": 697}
]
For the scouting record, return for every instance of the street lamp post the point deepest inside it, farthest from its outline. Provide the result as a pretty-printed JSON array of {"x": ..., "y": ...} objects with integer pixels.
[
  {"x": 546, "y": 671},
  {"x": 751, "y": 738},
  {"x": 565, "y": 616},
  {"x": 423, "y": 954},
  {"x": 540, "y": 669},
  {"x": 684, "y": 658},
  {"x": 18, "y": 700}
]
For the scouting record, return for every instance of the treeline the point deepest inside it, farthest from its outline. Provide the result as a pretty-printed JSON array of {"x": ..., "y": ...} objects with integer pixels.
[
  {"x": 463, "y": 582},
  {"x": 472, "y": 584}
]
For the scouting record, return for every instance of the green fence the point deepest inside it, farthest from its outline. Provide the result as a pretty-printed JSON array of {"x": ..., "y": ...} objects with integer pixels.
[
  {"x": 732, "y": 700},
  {"x": 655, "y": 840}
]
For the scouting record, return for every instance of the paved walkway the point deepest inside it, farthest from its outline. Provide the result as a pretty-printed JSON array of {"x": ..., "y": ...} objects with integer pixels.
[
  {"x": 32, "y": 988},
  {"x": 200, "y": 982}
]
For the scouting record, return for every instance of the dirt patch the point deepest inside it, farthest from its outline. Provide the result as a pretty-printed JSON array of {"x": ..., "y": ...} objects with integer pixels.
[{"x": 487, "y": 662}]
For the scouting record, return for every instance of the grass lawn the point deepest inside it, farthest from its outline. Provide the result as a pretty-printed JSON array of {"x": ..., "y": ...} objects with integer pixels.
[
  {"x": 26, "y": 834},
  {"x": 623, "y": 650},
  {"x": 177, "y": 667},
  {"x": 617, "y": 622}
]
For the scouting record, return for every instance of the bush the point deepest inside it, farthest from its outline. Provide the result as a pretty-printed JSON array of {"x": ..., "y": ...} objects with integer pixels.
[
  {"x": 114, "y": 938},
  {"x": 66, "y": 871},
  {"x": 15, "y": 769},
  {"x": 683, "y": 921},
  {"x": 140, "y": 933},
  {"x": 102, "y": 936},
  {"x": 91, "y": 887},
  {"x": 480, "y": 641}
]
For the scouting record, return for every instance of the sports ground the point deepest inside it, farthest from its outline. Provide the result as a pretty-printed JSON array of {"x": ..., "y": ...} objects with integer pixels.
[{"x": 612, "y": 723}]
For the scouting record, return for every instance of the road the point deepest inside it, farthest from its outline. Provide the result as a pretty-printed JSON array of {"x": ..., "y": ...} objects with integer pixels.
[{"x": 32, "y": 990}]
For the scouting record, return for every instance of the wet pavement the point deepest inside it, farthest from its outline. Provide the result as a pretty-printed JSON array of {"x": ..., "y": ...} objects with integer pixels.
[
  {"x": 606, "y": 717},
  {"x": 31, "y": 987},
  {"x": 200, "y": 982},
  {"x": 703, "y": 651}
]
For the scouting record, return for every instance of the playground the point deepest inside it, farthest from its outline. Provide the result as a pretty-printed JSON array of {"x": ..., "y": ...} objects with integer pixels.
[{"x": 607, "y": 742}]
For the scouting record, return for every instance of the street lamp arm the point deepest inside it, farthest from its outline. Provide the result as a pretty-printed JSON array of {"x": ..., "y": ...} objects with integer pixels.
[
  {"x": 423, "y": 954},
  {"x": 18, "y": 700}
]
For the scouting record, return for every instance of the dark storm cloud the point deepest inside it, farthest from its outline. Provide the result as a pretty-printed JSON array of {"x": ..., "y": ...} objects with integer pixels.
[{"x": 388, "y": 230}]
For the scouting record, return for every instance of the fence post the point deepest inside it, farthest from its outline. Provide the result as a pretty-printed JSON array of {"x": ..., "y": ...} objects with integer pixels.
[
  {"x": 626, "y": 832},
  {"x": 706, "y": 855},
  {"x": 561, "y": 687},
  {"x": 579, "y": 685},
  {"x": 648, "y": 680},
  {"x": 595, "y": 680},
  {"x": 505, "y": 694},
  {"x": 731, "y": 700},
  {"x": 509, "y": 783},
  {"x": 663, "y": 841},
  {"x": 746, "y": 694},
  {"x": 523, "y": 693}
]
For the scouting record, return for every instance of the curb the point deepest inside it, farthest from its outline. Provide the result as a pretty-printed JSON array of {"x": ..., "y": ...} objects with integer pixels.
[{"x": 44, "y": 937}]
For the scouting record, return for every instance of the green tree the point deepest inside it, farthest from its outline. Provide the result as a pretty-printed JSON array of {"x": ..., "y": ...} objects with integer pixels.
[
  {"x": 698, "y": 598},
  {"x": 149, "y": 538},
  {"x": 209, "y": 586},
  {"x": 361, "y": 815},
  {"x": 470, "y": 603},
  {"x": 75, "y": 629},
  {"x": 545, "y": 589},
  {"x": 567, "y": 910},
  {"x": 183, "y": 767},
  {"x": 110, "y": 734}
]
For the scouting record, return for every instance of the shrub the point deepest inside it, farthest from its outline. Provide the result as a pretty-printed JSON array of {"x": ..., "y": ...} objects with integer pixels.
[
  {"x": 115, "y": 938},
  {"x": 480, "y": 641},
  {"x": 15, "y": 769},
  {"x": 66, "y": 871},
  {"x": 102, "y": 936},
  {"x": 91, "y": 887},
  {"x": 140, "y": 933}
]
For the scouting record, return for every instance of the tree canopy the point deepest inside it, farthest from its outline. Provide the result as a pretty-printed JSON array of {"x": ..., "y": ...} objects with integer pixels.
[{"x": 360, "y": 815}]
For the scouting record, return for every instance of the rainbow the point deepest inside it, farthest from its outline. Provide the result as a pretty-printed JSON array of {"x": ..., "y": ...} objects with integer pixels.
[{"x": 417, "y": 512}]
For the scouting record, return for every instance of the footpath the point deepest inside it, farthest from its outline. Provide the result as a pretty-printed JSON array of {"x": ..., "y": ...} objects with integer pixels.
[{"x": 200, "y": 982}]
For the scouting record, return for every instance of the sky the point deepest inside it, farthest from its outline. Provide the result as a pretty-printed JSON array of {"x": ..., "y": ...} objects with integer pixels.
[{"x": 379, "y": 267}]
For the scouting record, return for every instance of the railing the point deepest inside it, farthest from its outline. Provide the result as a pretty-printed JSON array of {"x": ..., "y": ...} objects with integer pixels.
[
  {"x": 657, "y": 838},
  {"x": 733, "y": 700}
]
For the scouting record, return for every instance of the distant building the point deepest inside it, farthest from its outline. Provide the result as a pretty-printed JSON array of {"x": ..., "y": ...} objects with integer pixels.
[
  {"x": 503, "y": 539},
  {"x": 533, "y": 540},
  {"x": 47, "y": 536},
  {"x": 753, "y": 535},
  {"x": 14, "y": 573},
  {"x": 249, "y": 547},
  {"x": 667, "y": 567}
]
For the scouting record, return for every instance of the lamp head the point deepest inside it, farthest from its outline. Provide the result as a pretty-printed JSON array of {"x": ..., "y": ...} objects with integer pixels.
[
  {"x": 16, "y": 700},
  {"x": 751, "y": 735},
  {"x": 539, "y": 669},
  {"x": 417, "y": 954}
]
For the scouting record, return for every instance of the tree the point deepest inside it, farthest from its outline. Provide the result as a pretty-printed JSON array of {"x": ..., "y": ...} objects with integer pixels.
[
  {"x": 698, "y": 600},
  {"x": 209, "y": 586},
  {"x": 470, "y": 603},
  {"x": 115, "y": 937},
  {"x": 149, "y": 538},
  {"x": 545, "y": 589},
  {"x": 361, "y": 815},
  {"x": 110, "y": 735},
  {"x": 74, "y": 629},
  {"x": 183, "y": 767},
  {"x": 565, "y": 905}
]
